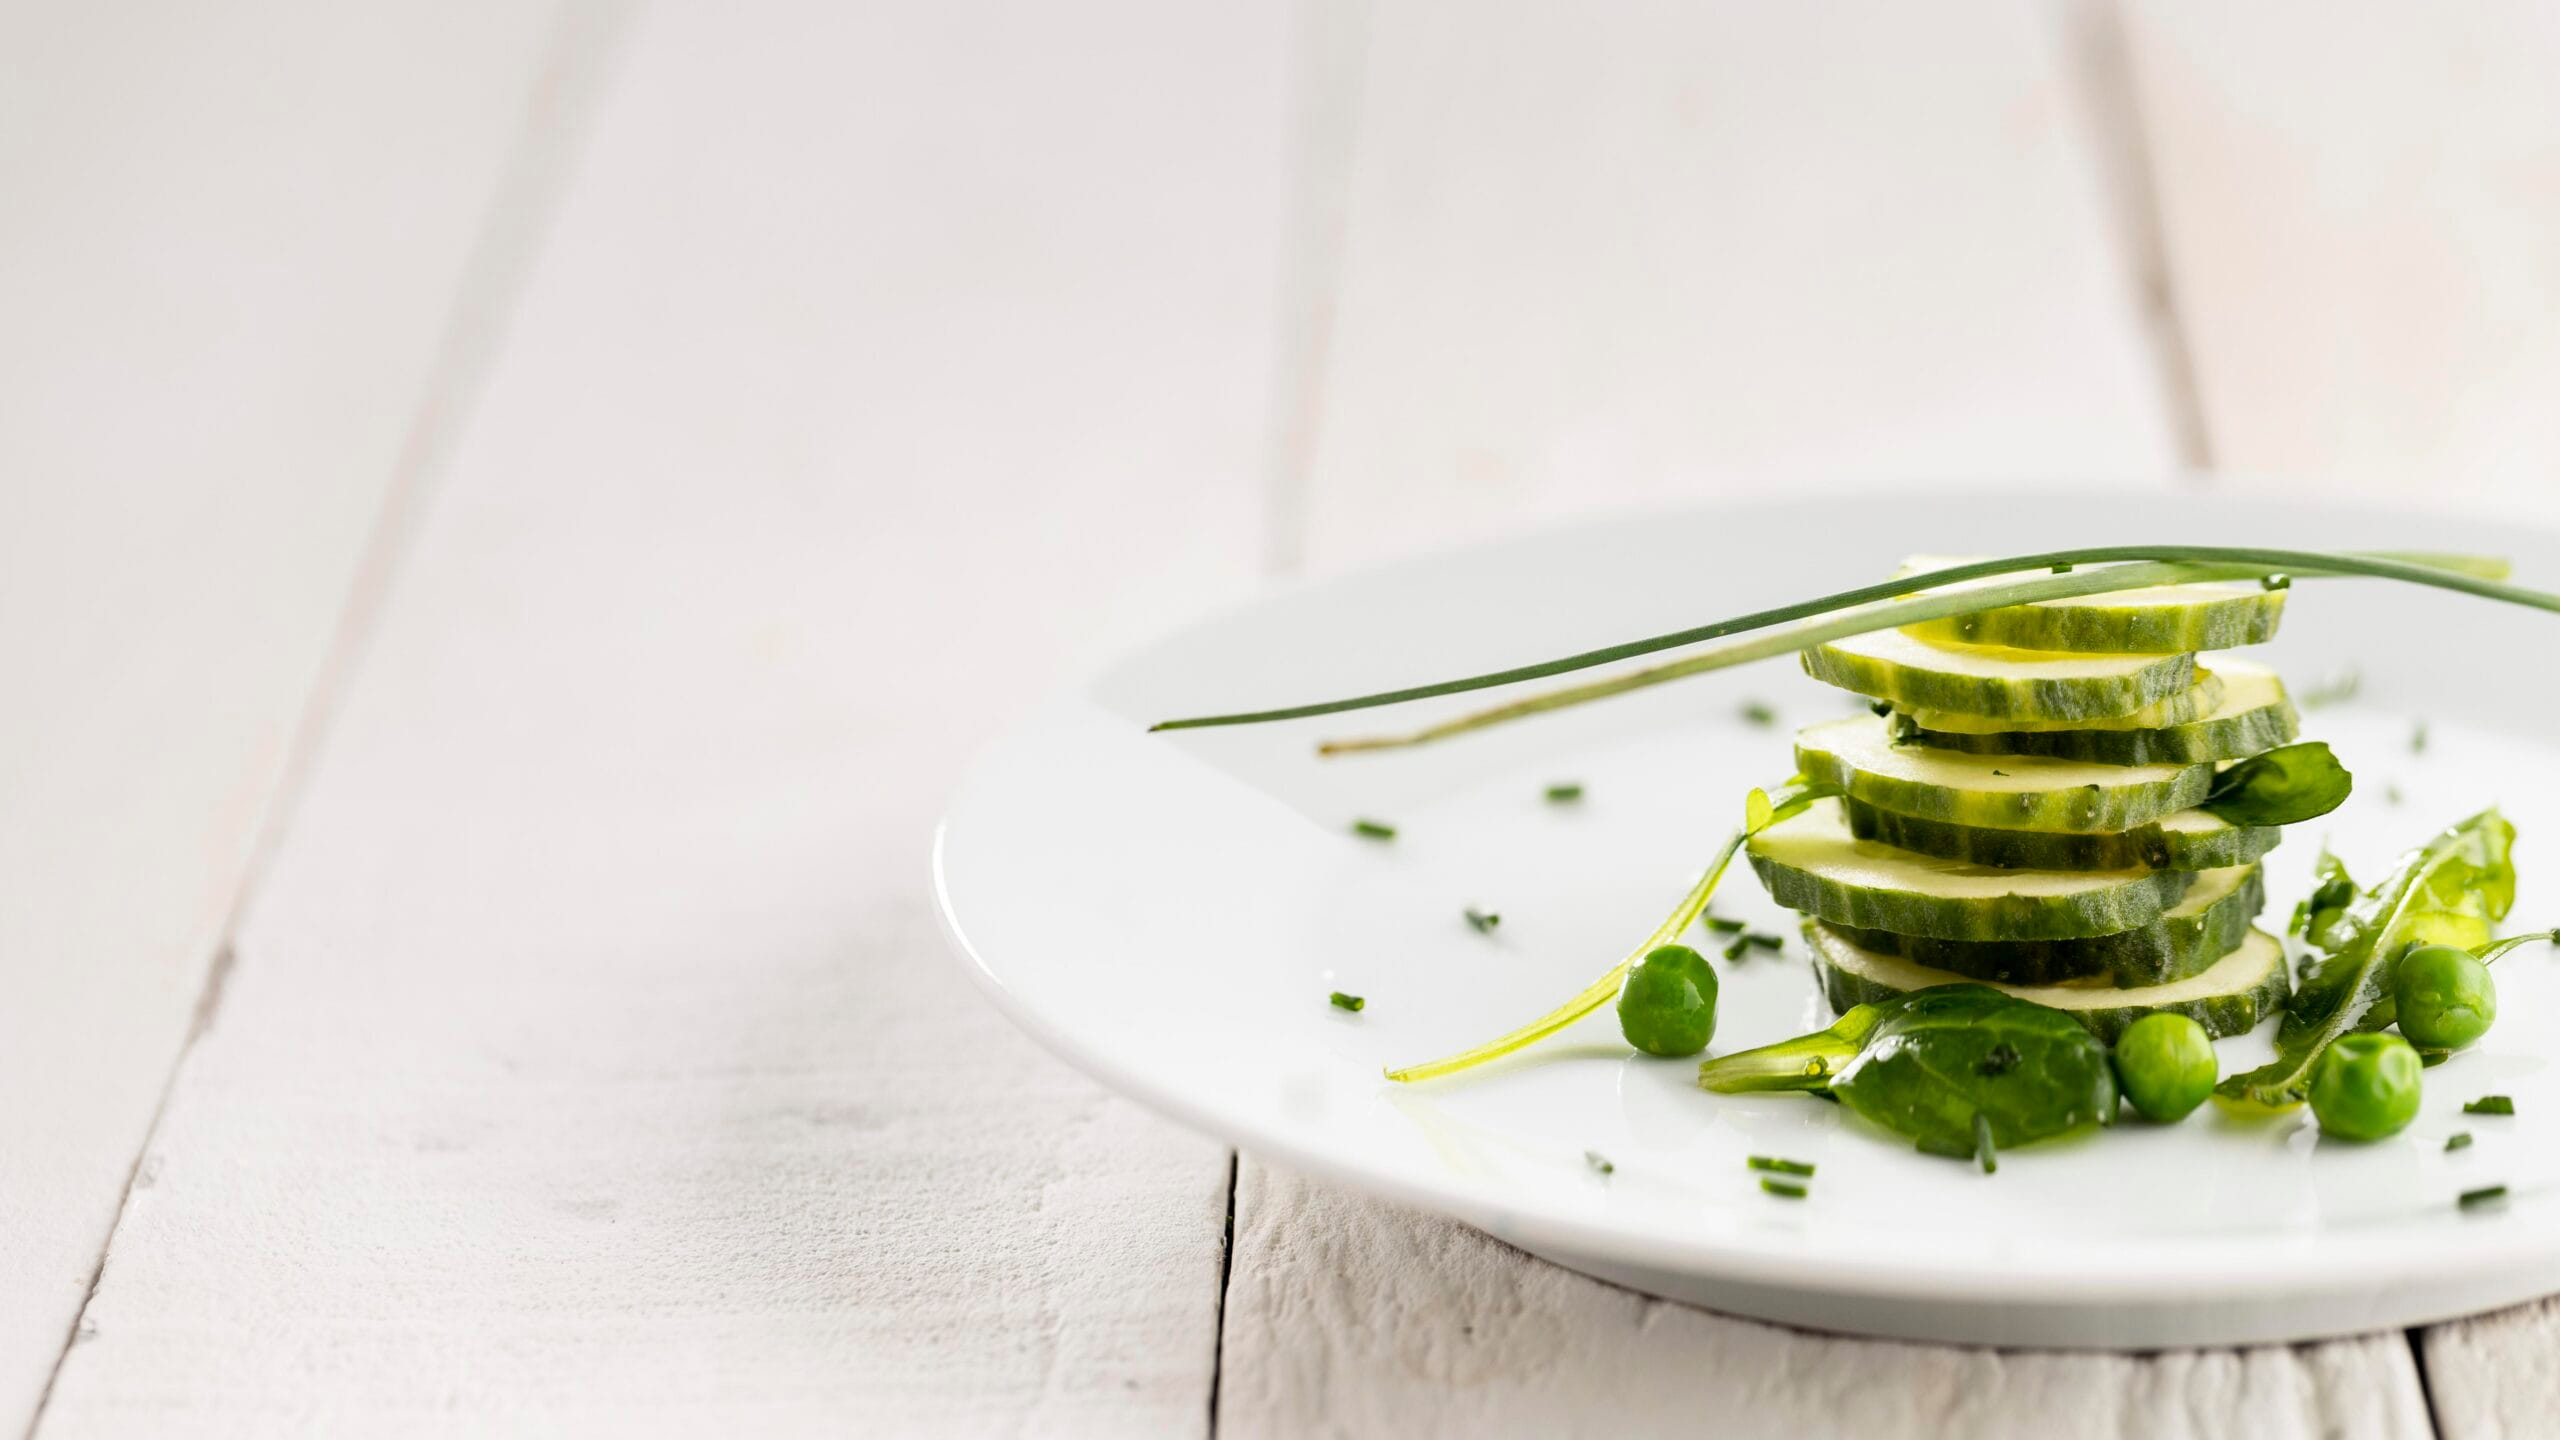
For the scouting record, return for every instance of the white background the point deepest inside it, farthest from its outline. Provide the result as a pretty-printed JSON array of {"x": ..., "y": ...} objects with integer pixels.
[{"x": 512, "y": 517}]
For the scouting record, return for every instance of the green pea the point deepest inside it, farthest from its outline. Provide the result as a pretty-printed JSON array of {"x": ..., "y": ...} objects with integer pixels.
[
  {"x": 1668, "y": 1005},
  {"x": 2166, "y": 1066},
  {"x": 2444, "y": 995},
  {"x": 2365, "y": 1087}
]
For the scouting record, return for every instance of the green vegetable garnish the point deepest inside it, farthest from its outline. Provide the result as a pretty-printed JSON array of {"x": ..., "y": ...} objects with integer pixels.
[
  {"x": 1917, "y": 1066},
  {"x": 1781, "y": 1167},
  {"x": 2281, "y": 787},
  {"x": 1482, "y": 921},
  {"x": 1560, "y": 794},
  {"x": 1668, "y": 1004},
  {"x": 1721, "y": 925},
  {"x": 1759, "y": 712},
  {"x": 1599, "y": 1162},
  {"x": 2451, "y": 889},
  {"x": 2365, "y": 1087},
  {"x": 1881, "y": 606},
  {"x": 2491, "y": 1105},
  {"x": 1373, "y": 829},
  {"x": 1985, "y": 1153},
  {"x": 2458, "y": 1140},
  {"x": 2336, "y": 690},
  {"x": 1787, "y": 1189},
  {"x": 1760, "y": 810},
  {"x": 2444, "y": 996},
  {"x": 1347, "y": 1002},
  {"x": 2165, "y": 1066},
  {"x": 2482, "y": 1196}
]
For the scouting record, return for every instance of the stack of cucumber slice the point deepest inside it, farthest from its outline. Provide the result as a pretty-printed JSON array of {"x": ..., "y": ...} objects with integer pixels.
[{"x": 2020, "y": 810}]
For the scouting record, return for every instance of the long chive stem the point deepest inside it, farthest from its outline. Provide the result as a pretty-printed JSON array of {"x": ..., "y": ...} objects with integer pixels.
[
  {"x": 2168, "y": 565},
  {"x": 1857, "y": 621}
]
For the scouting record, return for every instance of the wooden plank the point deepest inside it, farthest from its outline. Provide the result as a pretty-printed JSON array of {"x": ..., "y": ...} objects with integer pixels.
[
  {"x": 2496, "y": 1377},
  {"x": 2365, "y": 240},
  {"x": 1349, "y": 1316},
  {"x": 1709, "y": 250},
  {"x": 230, "y": 253},
  {"x": 593, "y": 1062}
]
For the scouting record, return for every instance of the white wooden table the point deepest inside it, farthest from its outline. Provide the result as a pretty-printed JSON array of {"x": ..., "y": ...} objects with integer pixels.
[{"x": 512, "y": 518}]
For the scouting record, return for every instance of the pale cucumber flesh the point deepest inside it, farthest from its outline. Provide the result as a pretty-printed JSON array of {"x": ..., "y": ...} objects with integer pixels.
[
  {"x": 2156, "y": 619},
  {"x": 2029, "y": 792},
  {"x": 1996, "y": 680},
  {"x": 1812, "y": 863},
  {"x": 2229, "y": 997},
  {"x": 2187, "y": 840},
  {"x": 2192, "y": 703},
  {"x": 2253, "y": 716},
  {"x": 2201, "y": 928}
]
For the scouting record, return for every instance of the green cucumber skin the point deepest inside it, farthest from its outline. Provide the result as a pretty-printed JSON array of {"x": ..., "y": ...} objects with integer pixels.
[
  {"x": 2093, "y": 629},
  {"x": 2220, "y": 1015},
  {"x": 2029, "y": 699},
  {"x": 2144, "y": 846},
  {"x": 1980, "y": 918},
  {"x": 2165, "y": 949},
  {"x": 2079, "y": 808},
  {"x": 2202, "y": 742}
]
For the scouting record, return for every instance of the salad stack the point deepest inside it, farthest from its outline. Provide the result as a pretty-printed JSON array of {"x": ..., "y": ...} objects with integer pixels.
[{"x": 2031, "y": 803}]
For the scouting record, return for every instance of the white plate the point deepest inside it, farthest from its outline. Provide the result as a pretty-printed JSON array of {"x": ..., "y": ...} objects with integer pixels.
[{"x": 1170, "y": 912}]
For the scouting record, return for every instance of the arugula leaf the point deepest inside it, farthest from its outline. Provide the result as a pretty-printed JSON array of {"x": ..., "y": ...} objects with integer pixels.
[
  {"x": 2284, "y": 786},
  {"x": 2448, "y": 891},
  {"x": 1933, "y": 1064}
]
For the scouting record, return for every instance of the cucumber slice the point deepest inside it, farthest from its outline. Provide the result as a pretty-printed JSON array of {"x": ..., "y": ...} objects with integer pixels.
[
  {"x": 2253, "y": 716},
  {"x": 2192, "y": 703},
  {"x": 2201, "y": 929},
  {"x": 1813, "y": 864},
  {"x": 2157, "y": 620},
  {"x": 1996, "y": 680},
  {"x": 2187, "y": 840},
  {"x": 2005, "y": 792},
  {"x": 2229, "y": 997}
]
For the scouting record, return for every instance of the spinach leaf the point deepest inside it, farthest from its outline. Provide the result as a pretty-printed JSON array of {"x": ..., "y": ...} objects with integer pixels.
[
  {"x": 2284, "y": 786},
  {"x": 1926, "y": 1064},
  {"x": 2449, "y": 890}
]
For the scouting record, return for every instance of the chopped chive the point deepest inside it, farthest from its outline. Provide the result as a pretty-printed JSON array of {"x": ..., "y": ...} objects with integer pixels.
[
  {"x": 1564, "y": 793},
  {"x": 2336, "y": 689},
  {"x": 1721, "y": 925},
  {"x": 2490, "y": 1105},
  {"x": 2064, "y": 569},
  {"x": 1734, "y": 952},
  {"x": 2276, "y": 582},
  {"x": 1483, "y": 921},
  {"x": 1765, "y": 942},
  {"x": 2482, "y": 1196},
  {"x": 1787, "y": 1188},
  {"x": 1373, "y": 829},
  {"x": 1347, "y": 1002},
  {"x": 2418, "y": 739},
  {"x": 2458, "y": 1140},
  {"x": 1881, "y": 707},
  {"x": 1777, "y": 1166},
  {"x": 1983, "y": 1153},
  {"x": 1599, "y": 1162},
  {"x": 1759, "y": 712}
]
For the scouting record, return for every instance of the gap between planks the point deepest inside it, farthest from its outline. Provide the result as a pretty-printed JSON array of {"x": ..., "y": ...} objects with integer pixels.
[{"x": 586, "y": 36}]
